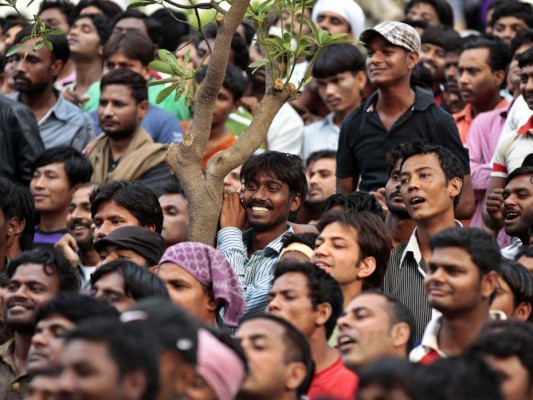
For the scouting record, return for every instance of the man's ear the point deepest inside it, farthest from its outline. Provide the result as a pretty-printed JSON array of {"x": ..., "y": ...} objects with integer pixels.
[
  {"x": 15, "y": 226},
  {"x": 367, "y": 266},
  {"x": 134, "y": 384},
  {"x": 400, "y": 334},
  {"x": 56, "y": 67},
  {"x": 522, "y": 312},
  {"x": 454, "y": 187},
  {"x": 499, "y": 77},
  {"x": 489, "y": 283},
  {"x": 360, "y": 78},
  {"x": 295, "y": 202},
  {"x": 324, "y": 313},
  {"x": 142, "y": 109},
  {"x": 412, "y": 59},
  {"x": 295, "y": 375},
  {"x": 236, "y": 105},
  {"x": 154, "y": 269}
]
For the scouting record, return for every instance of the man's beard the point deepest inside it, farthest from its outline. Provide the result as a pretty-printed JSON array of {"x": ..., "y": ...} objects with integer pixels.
[
  {"x": 400, "y": 213},
  {"x": 125, "y": 133}
]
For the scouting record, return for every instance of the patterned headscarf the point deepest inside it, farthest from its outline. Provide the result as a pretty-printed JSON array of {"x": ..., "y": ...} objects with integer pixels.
[{"x": 211, "y": 269}]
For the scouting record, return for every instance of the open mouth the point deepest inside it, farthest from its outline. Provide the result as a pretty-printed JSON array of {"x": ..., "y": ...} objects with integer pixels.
[
  {"x": 259, "y": 210},
  {"x": 344, "y": 342},
  {"x": 511, "y": 215},
  {"x": 416, "y": 200}
]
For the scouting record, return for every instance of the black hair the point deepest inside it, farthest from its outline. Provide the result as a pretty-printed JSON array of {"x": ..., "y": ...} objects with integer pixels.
[
  {"x": 286, "y": 167},
  {"x": 101, "y": 23},
  {"x": 522, "y": 37},
  {"x": 234, "y": 80},
  {"x": 510, "y": 339},
  {"x": 525, "y": 251},
  {"x": 482, "y": 246},
  {"x": 175, "y": 27},
  {"x": 172, "y": 187},
  {"x": 140, "y": 201},
  {"x": 15, "y": 22},
  {"x": 398, "y": 312},
  {"x": 519, "y": 10},
  {"x": 526, "y": 59},
  {"x": 297, "y": 348},
  {"x": 130, "y": 346},
  {"x": 449, "y": 162},
  {"x": 322, "y": 287},
  {"x": 457, "y": 378},
  {"x": 334, "y": 60},
  {"x": 77, "y": 167},
  {"x": 139, "y": 282},
  {"x": 442, "y": 36},
  {"x": 422, "y": 75},
  {"x": 355, "y": 201},
  {"x": 499, "y": 54},
  {"x": 415, "y": 23},
  {"x": 520, "y": 170},
  {"x": 127, "y": 77},
  {"x": 393, "y": 156},
  {"x": 133, "y": 44},
  {"x": 520, "y": 282},
  {"x": 109, "y": 8},
  {"x": 65, "y": 7},
  {"x": 59, "y": 50},
  {"x": 153, "y": 28},
  {"x": 389, "y": 374},
  {"x": 249, "y": 33},
  {"x": 53, "y": 263},
  {"x": 17, "y": 202},
  {"x": 75, "y": 307},
  {"x": 241, "y": 55},
  {"x": 442, "y": 8},
  {"x": 307, "y": 238},
  {"x": 373, "y": 239},
  {"x": 319, "y": 155}
]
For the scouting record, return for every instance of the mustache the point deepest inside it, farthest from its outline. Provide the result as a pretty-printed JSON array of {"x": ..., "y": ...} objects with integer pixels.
[
  {"x": 18, "y": 302},
  {"x": 75, "y": 224},
  {"x": 21, "y": 77},
  {"x": 254, "y": 203}
]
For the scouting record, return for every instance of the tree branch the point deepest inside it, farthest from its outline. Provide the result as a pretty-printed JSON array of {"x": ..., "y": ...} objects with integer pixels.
[{"x": 199, "y": 6}]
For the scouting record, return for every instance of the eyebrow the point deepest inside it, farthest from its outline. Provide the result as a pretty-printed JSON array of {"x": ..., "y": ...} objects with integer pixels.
[{"x": 418, "y": 170}]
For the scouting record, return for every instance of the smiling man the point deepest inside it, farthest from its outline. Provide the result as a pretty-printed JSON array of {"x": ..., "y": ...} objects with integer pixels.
[
  {"x": 431, "y": 179},
  {"x": 274, "y": 186},
  {"x": 35, "y": 277}
]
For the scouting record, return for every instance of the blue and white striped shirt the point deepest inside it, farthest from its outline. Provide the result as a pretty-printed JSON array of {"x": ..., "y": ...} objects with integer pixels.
[{"x": 255, "y": 274}]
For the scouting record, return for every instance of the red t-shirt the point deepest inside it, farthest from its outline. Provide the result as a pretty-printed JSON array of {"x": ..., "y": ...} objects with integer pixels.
[{"x": 336, "y": 382}]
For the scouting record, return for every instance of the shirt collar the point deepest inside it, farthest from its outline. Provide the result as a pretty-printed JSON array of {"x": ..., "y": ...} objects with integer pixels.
[
  {"x": 424, "y": 98},
  {"x": 527, "y": 127},
  {"x": 275, "y": 245}
]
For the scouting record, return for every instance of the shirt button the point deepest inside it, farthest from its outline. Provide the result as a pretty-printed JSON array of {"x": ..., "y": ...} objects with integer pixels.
[
  {"x": 249, "y": 269},
  {"x": 15, "y": 386}
]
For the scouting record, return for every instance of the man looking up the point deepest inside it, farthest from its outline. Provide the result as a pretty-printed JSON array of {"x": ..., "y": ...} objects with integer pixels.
[
  {"x": 311, "y": 300},
  {"x": 431, "y": 181},
  {"x": 373, "y": 326},
  {"x": 57, "y": 173},
  {"x": 60, "y": 122},
  {"x": 279, "y": 359},
  {"x": 397, "y": 113},
  {"x": 35, "y": 277},
  {"x": 339, "y": 72},
  {"x": 274, "y": 186},
  {"x": 320, "y": 173},
  {"x": 461, "y": 282},
  {"x": 482, "y": 72},
  {"x": 126, "y": 151}
]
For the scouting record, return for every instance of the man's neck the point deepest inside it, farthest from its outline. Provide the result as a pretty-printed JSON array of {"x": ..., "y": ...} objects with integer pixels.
[
  {"x": 67, "y": 70},
  {"x": 261, "y": 239},
  {"x": 488, "y": 105},
  {"x": 351, "y": 290},
  {"x": 53, "y": 221},
  {"x": 118, "y": 147},
  {"x": 309, "y": 212},
  {"x": 218, "y": 134},
  {"x": 395, "y": 99},
  {"x": 89, "y": 257},
  {"x": 427, "y": 228},
  {"x": 399, "y": 228},
  {"x": 88, "y": 71},
  {"x": 323, "y": 354},
  {"x": 338, "y": 117},
  {"x": 40, "y": 103},
  {"x": 457, "y": 332},
  {"x": 20, "y": 353}
]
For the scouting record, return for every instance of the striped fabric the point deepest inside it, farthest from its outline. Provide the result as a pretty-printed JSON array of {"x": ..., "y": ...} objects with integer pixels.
[
  {"x": 404, "y": 279},
  {"x": 254, "y": 274}
]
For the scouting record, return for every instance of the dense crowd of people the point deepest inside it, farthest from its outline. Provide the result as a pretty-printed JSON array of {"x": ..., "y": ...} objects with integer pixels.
[{"x": 378, "y": 245}]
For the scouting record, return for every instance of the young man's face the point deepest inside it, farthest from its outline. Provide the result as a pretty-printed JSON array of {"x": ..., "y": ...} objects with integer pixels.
[
  {"x": 423, "y": 12},
  {"x": 265, "y": 349},
  {"x": 120, "y": 60},
  {"x": 110, "y": 216},
  {"x": 393, "y": 195},
  {"x": 112, "y": 253},
  {"x": 342, "y": 92},
  {"x": 507, "y": 27},
  {"x": 321, "y": 180},
  {"x": 526, "y": 84},
  {"x": 90, "y": 373},
  {"x": 504, "y": 301},
  {"x": 337, "y": 252},
  {"x": 224, "y": 106},
  {"x": 47, "y": 342},
  {"x": 453, "y": 282},
  {"x": 79, "y": 218},
  {"x": 185, "y": 290},
  {"x": 451, "y": 71},
  {"x": 515, "y": 379},
  {"x": 111, "y": 288},
  {"x": 175, "y": 218},
  {"x": 434, "y": 59},
  {"x": 517, "y": 207},
  {"x": 268, "y": 202},
  {"x": 298, "y": 20},
  {"x": 334, "y": 23},
  {"x": 29, "y": 289},
  {"x": 387, "y": 64},
  {"x": 425, "y": 190},
  {"x": 232, "y": 181},
  {"x": 55, "y": 19},
  {"x": 36, "y": 71},
  {"x": 478, "y": 84},
  {"x": 290, "y": 299},
  {"x": 365, "y": 331},
  {"x": 83, "y": 39},
  {"x": 51, "y": 188},
  {"x": 119, "y": 113},
  {"x": 514, "y": 70}
]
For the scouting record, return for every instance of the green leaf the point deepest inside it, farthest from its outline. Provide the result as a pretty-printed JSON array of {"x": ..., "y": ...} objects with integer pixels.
[
  {"x": 140, "y": 4},
  {"x": 163, "y": 94},
  {"x": 38, "y": 44},
  {"x": 57, "y": 33},
  {"x": 13, "y": 49},
  {"x": 161, "y": 66},
  {"x": 48, "y": 44}
]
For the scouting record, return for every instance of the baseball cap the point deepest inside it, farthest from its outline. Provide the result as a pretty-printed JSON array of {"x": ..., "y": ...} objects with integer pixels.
[{"x": 398, "y": 33}]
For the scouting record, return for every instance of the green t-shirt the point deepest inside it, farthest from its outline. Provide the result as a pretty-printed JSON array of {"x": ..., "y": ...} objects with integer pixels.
[{"x": 178, "y": 108}]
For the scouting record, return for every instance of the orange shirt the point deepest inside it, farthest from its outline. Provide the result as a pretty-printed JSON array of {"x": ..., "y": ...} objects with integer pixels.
[
  {"x": 464, "y": 118},
  {"x": 226, "y": 144}
]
